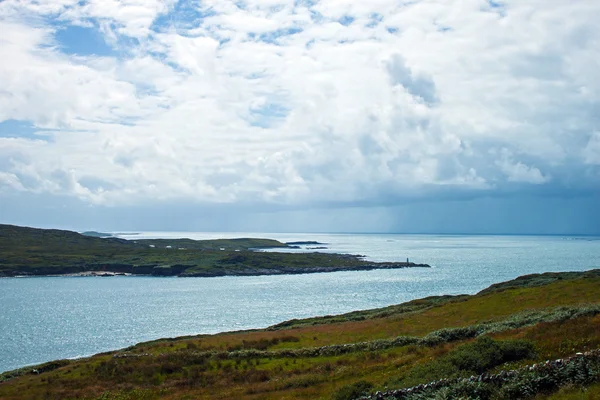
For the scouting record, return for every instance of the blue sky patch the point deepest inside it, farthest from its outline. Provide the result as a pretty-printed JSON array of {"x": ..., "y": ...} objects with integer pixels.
[
  {"x": 12, "y": 128},
  {"x": 267, "y": 114},
  {"x": 346, "y": 20},
  {"x": 497, "y": 7},
  {"x": 375, "y": 19},
  {"x": 271, "y": 37},
  {"x": 82, "y": 41},
  {"x": 183, "y": 16},
  {"x": 305, "y": 3},
  {"x": 316, "y": 16}
]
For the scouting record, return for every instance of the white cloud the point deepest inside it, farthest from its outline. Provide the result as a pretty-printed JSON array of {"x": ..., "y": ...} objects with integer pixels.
[
  {"x": 277, "y": 103},
  {"x": 518, "y": 172},
  {"x": 10, "y": 182}
]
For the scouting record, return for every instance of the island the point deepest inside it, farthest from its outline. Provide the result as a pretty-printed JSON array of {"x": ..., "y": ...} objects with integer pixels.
[
  {"x": 304, "y": 243},
  {"x": 32, "y": 252},
  {"x": 96, "y": 234},
  {"x": 531, "y": 338}
]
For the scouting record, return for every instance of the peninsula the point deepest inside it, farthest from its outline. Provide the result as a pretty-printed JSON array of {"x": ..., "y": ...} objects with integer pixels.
[{"x": 30, "y": 251}]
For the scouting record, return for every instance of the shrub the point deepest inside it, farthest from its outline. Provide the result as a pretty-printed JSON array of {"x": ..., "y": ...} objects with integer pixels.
[
  {"x": 463, "y": 390},
  {"x": 470, "y": 358},
  {"x": 486, "y": 353}
]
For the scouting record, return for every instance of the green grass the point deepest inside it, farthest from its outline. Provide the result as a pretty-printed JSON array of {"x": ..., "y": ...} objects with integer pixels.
[{"x": 576, "y": 392}]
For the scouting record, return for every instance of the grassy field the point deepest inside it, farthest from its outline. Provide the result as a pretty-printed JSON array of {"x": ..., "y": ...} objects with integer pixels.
[
  {"x": 507, "y": 327},
  {"x": 30, "y": 251}
]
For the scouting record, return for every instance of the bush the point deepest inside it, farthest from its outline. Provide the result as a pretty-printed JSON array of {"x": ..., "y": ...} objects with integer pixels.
[
  {"x": 486, "y": 353},
  {"x": 464, "y": 390},
  {"x": 451, "y": 334},
  {"x": 471, "y": 358}
]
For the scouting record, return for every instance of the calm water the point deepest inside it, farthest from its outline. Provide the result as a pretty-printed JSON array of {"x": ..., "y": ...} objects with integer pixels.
[{"x": 48, "y": 318}]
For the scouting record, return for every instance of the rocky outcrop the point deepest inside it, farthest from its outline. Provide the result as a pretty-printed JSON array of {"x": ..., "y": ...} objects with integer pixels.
[{"x": 232, "y": 266}]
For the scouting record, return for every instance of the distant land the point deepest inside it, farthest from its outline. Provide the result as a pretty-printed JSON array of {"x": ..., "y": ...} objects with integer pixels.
[
  {"x": 31, "y": 251},
  {"x": 96, "y": 234},
  {"x": 536, "y": 337}
]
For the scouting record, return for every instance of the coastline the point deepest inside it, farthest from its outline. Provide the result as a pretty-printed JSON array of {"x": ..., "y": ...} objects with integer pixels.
[
  {"x": 42, "y": 252},
  {"x": 170, "y": 271},
  {"x": 96, "y": 274}
]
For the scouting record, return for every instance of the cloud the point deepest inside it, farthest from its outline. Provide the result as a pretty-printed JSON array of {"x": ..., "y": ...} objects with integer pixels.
[
  {"x": 420, "y": 86},
  {"x": 591, "y": 152},
  {"x": 300, "y": 104},
  {"x": 132, "y": 18},
  {"x": 10, "y": 182},
  {"x": 516, "y": 171}
]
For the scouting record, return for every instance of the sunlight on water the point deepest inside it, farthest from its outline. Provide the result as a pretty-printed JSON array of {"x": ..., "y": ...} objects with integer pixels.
[{"x": 51, "y": 317}]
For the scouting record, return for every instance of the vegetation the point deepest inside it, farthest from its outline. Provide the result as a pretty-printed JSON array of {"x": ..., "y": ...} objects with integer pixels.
[
  {"x": 353, "y": 390},
  {"x": 29, "y": 251},
  {"x": 493, "y": 345}
]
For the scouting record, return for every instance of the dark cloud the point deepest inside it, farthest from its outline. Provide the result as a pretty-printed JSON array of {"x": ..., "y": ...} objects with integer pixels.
[{"x": 574, "y": 213}]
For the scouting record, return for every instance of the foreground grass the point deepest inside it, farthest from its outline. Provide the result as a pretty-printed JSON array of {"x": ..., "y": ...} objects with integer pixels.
[
  {"x": 576, "y": 392},
  {"x": 338, "y": 357}
]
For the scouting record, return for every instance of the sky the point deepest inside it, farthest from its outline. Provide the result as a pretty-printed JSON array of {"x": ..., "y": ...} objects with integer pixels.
[{"x": 421, "y": 116}]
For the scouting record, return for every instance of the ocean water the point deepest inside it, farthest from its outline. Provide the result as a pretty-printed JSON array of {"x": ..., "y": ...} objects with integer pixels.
[{"x": 47, "y": 318}]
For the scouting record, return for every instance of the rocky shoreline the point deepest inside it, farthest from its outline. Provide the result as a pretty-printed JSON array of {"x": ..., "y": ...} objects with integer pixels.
[
  {"x": 109, "y": 270},
  {"x": 306, "y": 270},
  {"x": 102, "y": 274}
]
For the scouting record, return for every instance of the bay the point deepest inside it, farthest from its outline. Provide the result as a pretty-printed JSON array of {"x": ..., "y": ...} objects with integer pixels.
[{"x": 47, "y": 318}]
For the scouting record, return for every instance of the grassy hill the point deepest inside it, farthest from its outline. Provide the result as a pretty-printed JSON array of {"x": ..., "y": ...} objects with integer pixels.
[
  {"x": 493, "y": 345},
  {"x": 30, "y": 251}
]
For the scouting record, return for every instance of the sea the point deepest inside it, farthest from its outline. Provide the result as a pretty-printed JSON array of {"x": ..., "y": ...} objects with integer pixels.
[{"x": 48, "y": 318}]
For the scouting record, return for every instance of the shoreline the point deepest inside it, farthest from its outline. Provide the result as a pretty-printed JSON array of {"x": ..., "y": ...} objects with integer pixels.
[
  {"x": 224, "y": 273},
  {"x": 96, "y": 274}
]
